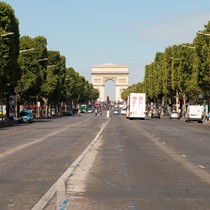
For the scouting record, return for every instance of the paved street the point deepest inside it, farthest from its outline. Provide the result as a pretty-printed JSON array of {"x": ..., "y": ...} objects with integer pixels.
[
  {"x": 111, "y": 164},
  {"x": 151, "y": 164},
  {"x": 34, "y": 156}
]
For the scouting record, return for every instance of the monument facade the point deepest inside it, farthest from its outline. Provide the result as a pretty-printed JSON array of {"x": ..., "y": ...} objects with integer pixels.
[{"x": 115, "y": 72}]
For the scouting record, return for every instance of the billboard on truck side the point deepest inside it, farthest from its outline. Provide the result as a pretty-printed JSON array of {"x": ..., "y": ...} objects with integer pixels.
[{"x": 136, "y": 106}]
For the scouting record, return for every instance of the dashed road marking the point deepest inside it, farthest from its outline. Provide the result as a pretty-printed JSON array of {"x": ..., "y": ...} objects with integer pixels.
[
  {"x": 200, "y": 166},
  {"x": 195, "y": 169}
]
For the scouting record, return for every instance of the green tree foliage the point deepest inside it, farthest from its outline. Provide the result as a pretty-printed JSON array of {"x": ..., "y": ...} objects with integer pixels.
[
  {"x": 187, "y": 84},
  {"x": 77, "y": 89},
  {"x": 53, "y": 77},
  {"x": 181, "y": 70},
  {"x": 202, "y": 61},
  {"x": 70, "y": 85},
  {"x": 135, "y": 88},
  {"x": 9, "y": 49},
  {"x": 28, "y": 62},
  {"x": 93, "y": 93},
  {"x": 41, "y": 49},
  {"x": 167, "y": 84},
  {"x": 33, "y": 63}
]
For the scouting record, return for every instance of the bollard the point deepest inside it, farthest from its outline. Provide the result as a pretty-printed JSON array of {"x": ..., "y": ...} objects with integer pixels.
[{"x": 107, "y": 114}]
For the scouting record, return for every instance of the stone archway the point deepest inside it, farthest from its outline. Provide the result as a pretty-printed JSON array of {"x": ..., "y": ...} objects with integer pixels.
[{"x": 116, "y": 72}]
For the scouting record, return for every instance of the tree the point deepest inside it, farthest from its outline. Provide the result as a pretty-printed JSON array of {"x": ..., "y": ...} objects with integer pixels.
[
  {"x": 202, "y": 61},
  {"x": 33, "y": 63},
  {"x": 9, "y": 50},
  {"x": 50, "y": 87},
  {"x": 187, "y": 84},
  {"x": 135, "y": 88},
  {"x": 28, "y": 62},
  {"x": 167, "y": 79}
]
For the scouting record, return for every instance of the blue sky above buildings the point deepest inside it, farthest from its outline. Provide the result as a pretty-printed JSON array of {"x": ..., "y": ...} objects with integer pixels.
[{"x": 94, "y": 32}]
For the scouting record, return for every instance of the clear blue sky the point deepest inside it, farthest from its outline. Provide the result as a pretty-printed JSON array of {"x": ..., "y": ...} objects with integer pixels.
[{"x": 94, "y": 32}]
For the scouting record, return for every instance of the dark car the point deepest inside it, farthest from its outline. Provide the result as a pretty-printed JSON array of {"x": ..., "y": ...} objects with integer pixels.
[
  {"x": 25, "y": 116},
  {"x": 155, "y": 114}
]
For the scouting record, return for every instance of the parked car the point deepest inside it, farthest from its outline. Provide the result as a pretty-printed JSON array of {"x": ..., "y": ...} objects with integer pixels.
[
  {"x": 155, "y": 114},
  {"x": 116, "y": 112},
  {"x": 67, "y": 113},
  {"x": 174, "y": 115},
  {"x": 123, "y": 111},
  {"x": 25, "y": 116}
]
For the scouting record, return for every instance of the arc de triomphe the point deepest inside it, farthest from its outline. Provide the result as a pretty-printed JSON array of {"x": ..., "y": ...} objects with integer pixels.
[{"x": 115, "y": 72}]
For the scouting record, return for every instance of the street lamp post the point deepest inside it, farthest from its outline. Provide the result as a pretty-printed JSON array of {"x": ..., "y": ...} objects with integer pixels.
[
  {"x": 173, "y": 58},
  {"x": 27, "y": 50},
  {"x": 7, "y": 34},
  {"x": 201, "y": 33},
  {"x": 187, "y": 46},
  {"x": 43, "y": 59}
]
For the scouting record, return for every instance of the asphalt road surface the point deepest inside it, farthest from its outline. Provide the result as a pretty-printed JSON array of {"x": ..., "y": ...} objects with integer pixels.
[{"x": 88, "y": 163}]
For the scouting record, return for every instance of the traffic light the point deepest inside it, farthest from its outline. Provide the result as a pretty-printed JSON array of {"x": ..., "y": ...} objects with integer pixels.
[{"x": 107, "y": 99}]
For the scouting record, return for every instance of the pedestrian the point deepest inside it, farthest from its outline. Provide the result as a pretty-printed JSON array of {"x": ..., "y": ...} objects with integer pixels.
[
  {"x": 100, "y": 111},
  {"x": 96, "y": 112},
  {"x": 79, "y": 112}
]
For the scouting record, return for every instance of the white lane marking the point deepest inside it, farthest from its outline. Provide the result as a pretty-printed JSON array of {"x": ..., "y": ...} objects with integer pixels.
[
  {"x": 200, "y": 166},
  {"x": 202, "y": 174},
  {"x": 184, "y": 156},
  {"x": 58, "y": 186},
  {"x": 76, "y": 183},
  {"x": 23, "y": 146}
]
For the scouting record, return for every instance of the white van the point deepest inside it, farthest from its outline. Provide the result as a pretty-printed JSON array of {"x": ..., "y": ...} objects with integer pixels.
[
  {"x": 194, "y": 113},
  {"x": 123, "y": 111}
]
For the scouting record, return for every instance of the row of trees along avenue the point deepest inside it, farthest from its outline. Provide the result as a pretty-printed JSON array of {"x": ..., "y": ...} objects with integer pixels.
[
  {"x": 179, "y": 75},
  {"x": 38, "y": 77}
]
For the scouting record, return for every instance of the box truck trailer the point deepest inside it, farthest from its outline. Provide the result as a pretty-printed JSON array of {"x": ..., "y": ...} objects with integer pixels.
[{"x": 136, "y": 106}]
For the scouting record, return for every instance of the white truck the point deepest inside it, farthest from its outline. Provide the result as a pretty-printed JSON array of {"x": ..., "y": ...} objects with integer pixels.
[
  {"x": 194, "y": 113},
  {"x": 136, "y": 106}
]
